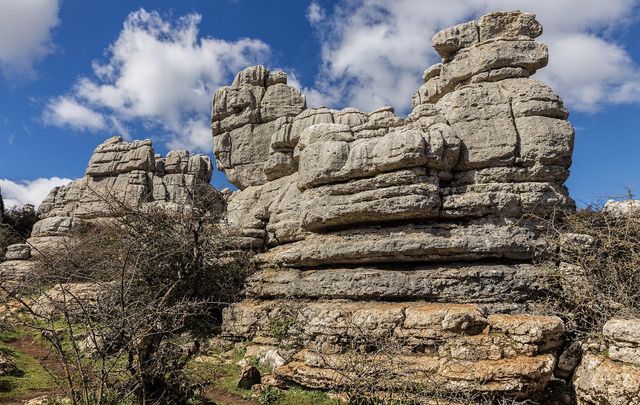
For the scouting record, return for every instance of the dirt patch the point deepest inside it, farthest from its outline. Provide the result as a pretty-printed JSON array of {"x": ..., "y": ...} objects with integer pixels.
[
  {"x": 29, "y": 346},
  {"x": 224, "y": 398}
]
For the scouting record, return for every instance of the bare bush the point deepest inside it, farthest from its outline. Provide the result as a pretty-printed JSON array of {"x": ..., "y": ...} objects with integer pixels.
[
  {"x": 126, "y": 301},
  {"x": 594, "y": 269}
]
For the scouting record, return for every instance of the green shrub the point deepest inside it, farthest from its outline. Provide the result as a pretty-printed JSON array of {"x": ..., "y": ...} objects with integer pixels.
[{"x": 270, "y": 396}]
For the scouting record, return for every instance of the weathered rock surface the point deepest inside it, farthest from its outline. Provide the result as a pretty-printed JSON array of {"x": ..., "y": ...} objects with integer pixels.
[
  {"x": 419, "y": 325},
  {"x": 72, "y": 298},
  {"x": 624, "y": 340},
  {"x": 122, "y": 174},
  {"x": 18, "y": 252},
  {"x": 259, "y": 106},
  {"x": 427, "y": 214},
  {"x": 14, "y": 272},
  {"x": 611, "y": 376},
  {"x": 601, "y": 381},
  {"x": 519, "y": 377},
  {"x": 455, "y": 344},
  {"x": 627, "y": 209},
  {"x": 462, "y": 283}
]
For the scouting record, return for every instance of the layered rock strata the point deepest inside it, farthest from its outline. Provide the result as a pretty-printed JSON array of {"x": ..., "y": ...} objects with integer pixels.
[
  {"x": 431, "y": 212},
  {"x": 609, "y": 373},
  {"x": 119, "y": 175}
]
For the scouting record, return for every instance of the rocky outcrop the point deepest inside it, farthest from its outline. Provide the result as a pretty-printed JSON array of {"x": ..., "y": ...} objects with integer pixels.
[
  {"x": 20, "y": 251},
  {"x": 245, "y": 117},
  {"x": 626, "y": 208},
  {"x": 609, "y": 373},
  {"x": 350, "y": 208},
  {"x": 374, "y": 231},
  {"x": 120, "y": 175},
  {"x": 455, "y": 345}
]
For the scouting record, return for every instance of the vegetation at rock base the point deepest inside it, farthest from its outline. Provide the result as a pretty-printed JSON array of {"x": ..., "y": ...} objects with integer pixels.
[
  {"x": 125, "y": 303},
  {"x": 16, "y": 224},
  {"x": 594, "y": 269}
]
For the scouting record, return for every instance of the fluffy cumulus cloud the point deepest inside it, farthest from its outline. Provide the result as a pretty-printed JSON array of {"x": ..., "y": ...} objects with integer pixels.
[
  {"x": 374, "y": 51},
  {"x": 28, "y": 192},
  {"x": 25, "y": 29},
  {"x": 159, "y": 73},
  {"x": 65, "y": 111}
]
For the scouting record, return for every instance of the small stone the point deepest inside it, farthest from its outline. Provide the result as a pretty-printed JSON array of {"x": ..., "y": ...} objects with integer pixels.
[
  {"x": 18, "y": 252},
  {"x": 249, "y": 377},
  {"x": 272, "y": 359},
  {"x": 8, "y": 366}
]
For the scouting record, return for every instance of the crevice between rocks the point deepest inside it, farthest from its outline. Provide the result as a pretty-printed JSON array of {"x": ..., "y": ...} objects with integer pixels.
[{"x": 517, "y": 152}]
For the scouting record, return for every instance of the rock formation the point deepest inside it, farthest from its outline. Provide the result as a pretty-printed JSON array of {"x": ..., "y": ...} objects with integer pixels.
[
  {"x": 412, "y": 229},
  {"x": 119, "y": 174},
  {"x": 372, "y": 229},
  {"x": 609, "y": 373}
]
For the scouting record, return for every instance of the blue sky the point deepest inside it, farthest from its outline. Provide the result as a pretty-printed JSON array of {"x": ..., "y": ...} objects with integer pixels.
[{"x": 74, "y": 72}]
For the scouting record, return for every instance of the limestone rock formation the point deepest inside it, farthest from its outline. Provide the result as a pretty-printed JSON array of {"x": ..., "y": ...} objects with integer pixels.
[
  {"x": 18, "y": 252},
  {"x": 372, "y": 229},
  {"x": 349, "y": 208},
  {"x": 245, "y": 116},
  {"x": 610, "y": 375},
  {"x": 119, "y": 174},
  {"x": 626, "y": 208}
]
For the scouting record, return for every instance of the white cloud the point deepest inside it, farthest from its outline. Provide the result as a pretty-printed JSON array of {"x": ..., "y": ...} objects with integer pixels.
[
  {"x": 65, "y": 111},
  {"x": 374, "y": 51},
  {"x": 25, "y": 29},
  {"x": 315, "y": 13},
  {"x": 28, "y": 192},
  {"x": 163, "y": 75},
  {"x": 590, "y": 72}
]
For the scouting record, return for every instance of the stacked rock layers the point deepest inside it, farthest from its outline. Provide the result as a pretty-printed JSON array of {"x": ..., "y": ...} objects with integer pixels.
[
  {"x": 352, "y": 208},
  {"x": 609, "y": 374},
  {"x": 119, "y": 174}
]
